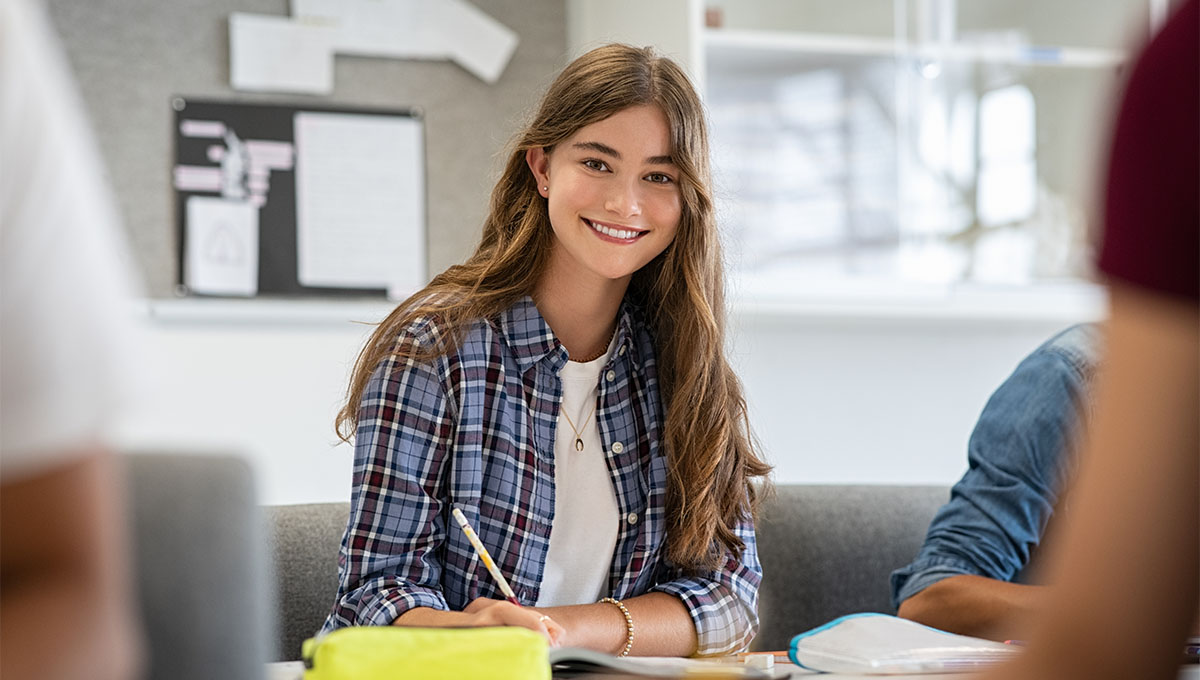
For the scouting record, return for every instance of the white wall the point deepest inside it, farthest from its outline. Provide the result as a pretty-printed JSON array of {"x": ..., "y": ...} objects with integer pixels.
[
  {"x": 671, "y": 26},
  {"x": 839, "y": 394},
  {"x": 248, "y": 378},
  {"x": 874, "y": 401}
]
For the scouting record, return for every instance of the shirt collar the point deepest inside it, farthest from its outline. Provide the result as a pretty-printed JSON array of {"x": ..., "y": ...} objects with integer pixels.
[
  {"x": 532, "y": 340},
  {"x": 528, "y": 334},
  {"x": 625, "y": 333}
]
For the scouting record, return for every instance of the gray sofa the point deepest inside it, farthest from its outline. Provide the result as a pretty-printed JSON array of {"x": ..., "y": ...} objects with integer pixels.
[
  {"x": 304, "y": 541},
  {"x": 826, "y": 551}
]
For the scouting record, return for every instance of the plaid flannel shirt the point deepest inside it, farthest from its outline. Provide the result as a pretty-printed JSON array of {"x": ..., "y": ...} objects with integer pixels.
[{"x": 475, "y": 429}]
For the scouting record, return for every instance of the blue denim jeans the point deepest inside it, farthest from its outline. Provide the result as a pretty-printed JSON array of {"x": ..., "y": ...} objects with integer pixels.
[{"x": 1018, "y": 457}]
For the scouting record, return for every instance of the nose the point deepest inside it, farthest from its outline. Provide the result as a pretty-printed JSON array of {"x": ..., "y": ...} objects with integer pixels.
[{"x": 624, "y": 199}]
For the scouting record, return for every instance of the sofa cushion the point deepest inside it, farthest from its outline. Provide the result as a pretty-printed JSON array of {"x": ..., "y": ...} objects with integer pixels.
[
  {"x": 304, "y": 541},
  {"x": 829, "y": 550}
]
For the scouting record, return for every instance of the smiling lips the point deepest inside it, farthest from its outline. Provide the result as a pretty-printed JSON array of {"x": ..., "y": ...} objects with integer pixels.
[{"x": 617, "y": 234}]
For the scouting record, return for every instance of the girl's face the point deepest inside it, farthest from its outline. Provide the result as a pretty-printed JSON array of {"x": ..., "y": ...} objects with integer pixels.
[{"x": 613, "y": 193}]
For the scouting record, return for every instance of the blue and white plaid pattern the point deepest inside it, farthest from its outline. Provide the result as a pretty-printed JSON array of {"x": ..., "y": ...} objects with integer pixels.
[{"x": 475, "y": 429}]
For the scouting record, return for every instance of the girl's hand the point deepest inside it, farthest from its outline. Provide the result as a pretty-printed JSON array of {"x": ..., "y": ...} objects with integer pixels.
[{"x": 488, "y": 612}]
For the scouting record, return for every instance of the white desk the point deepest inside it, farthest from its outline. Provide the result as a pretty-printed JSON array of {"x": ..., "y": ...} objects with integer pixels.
[
  {"x": 294, "y": 670},
  {"x": 285, "y": 670}
]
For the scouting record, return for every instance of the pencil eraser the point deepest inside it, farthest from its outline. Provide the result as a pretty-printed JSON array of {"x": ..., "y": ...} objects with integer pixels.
[{"x": 763, "y": 661}]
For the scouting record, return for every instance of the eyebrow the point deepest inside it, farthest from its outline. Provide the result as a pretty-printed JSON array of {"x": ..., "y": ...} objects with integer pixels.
[{"x": 608, "y": 150}]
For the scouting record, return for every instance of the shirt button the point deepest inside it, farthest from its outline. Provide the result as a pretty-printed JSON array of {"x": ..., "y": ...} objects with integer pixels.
[
  {"x": 631, "y": 518},
  {"x": 618, "y": 447},
  {"x": 621, "y": 352},
  {"x": 611, "y": 376}
]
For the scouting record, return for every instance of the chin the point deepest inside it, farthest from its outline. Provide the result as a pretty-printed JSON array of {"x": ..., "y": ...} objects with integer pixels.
[{"x": 610, "y": 275}]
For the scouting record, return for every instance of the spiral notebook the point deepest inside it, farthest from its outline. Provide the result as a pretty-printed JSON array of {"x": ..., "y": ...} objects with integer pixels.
[
  {"x": 567, "y": 662},
  {"x": 887, "y": 645}
]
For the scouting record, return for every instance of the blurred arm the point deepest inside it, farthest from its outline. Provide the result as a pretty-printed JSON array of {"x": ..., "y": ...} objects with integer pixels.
[
  {"x": 1126, "y": 572},
  {"x": 975, "y": 605},
  {"x": 65, "y": 610}
]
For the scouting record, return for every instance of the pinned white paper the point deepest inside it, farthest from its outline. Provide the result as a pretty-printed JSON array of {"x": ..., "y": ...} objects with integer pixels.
[
  {"x": 317, "y": 9},
  {"x": 222, "y": 247},
  {"x": 279, "y": 54},
  {"x": 478, "y": 43},
  {"x": 401, "y": 29},
  {"x": 360, "y": 207},
  {"x": 265, "y": 55}
]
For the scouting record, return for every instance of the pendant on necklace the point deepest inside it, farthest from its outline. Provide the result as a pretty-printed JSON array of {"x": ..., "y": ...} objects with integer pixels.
[{"x": 579, "y": 443}]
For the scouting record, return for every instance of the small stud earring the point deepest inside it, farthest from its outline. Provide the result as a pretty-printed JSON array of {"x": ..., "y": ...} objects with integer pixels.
[{"x": 545, "y": 188}]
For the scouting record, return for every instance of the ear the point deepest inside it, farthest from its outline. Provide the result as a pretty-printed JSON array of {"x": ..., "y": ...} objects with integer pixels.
[{"x": 539, "y": 164}]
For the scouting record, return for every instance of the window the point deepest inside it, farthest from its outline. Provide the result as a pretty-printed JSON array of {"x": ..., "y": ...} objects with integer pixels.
[{"x": 941, "y": 142}]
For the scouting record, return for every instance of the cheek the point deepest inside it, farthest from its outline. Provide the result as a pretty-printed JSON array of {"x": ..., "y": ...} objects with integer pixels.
[
  {"x": 559, "y": 208},
  {"x": 670, "y": 236},
  {"x": 569, "y": 195},
  {"x": 667, "y": 216}
]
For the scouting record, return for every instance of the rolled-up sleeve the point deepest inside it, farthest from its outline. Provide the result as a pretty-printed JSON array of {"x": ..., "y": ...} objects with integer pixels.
[
  {"x": 389, "y": 558},
  {"x": 723, "y": 603},
  {"x": 1018, "y": 456}
]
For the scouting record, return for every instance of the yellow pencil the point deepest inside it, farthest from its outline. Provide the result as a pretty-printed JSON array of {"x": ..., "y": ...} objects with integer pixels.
[{"x": 483, "y": 555}]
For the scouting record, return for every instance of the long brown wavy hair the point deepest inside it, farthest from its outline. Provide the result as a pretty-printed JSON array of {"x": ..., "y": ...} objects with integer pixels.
[{"x": 710, "y": 451}]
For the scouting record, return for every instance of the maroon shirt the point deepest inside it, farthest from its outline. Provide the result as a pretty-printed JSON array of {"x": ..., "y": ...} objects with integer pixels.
[{"x": 1152, "y": 203}]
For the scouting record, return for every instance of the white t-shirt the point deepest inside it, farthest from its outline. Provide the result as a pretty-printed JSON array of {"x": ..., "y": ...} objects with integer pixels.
[
  {"x": 586, "y": 518},
  {"x": 65, "y": 319}
]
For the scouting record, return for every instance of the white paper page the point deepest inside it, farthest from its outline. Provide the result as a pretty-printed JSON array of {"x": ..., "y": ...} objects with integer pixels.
[
  {"x": 479, "y": 43},
  {"x": 316, "y": 9},
  {"x": 403, "y": 29},
  {"x": 360, "y": 202},
  {"x": 222, "y": 247},
  {"x": 279, "y": 54},
  {"x": 416, "y": 29}
]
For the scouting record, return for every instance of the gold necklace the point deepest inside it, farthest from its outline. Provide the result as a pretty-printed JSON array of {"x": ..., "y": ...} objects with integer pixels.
[
  {"x": 563, "y": 411},
  {"x": 603, "y": 349},
  {"x": 593, "y": 358},
  {"x": 578, "y": 436}
]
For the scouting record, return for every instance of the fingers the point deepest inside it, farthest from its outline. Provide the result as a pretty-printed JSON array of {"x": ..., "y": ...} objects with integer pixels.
[
  {"x": 479, "y": 604},
  {"x": 489, "y": 612},
  {"x": 552, "y": 631},
  {"x": 539, "y": 623}
]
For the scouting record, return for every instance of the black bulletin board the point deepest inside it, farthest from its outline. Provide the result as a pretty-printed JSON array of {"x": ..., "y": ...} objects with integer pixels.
[{"x": 277, "y": 270}]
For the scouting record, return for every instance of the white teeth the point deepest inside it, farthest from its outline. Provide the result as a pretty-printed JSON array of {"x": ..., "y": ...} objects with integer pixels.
[{"x": 615, "y": 233}]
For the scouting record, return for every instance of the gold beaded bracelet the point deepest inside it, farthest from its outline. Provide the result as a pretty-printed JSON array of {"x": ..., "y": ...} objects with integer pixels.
[{"x": 628, "y": 624}]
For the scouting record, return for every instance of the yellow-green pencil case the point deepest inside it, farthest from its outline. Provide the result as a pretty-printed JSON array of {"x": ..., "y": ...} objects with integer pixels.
[{"x": 390, "y": 652}]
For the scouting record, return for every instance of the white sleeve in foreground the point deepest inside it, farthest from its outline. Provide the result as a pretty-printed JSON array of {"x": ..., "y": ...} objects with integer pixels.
[{"x": 66, "y": 330}]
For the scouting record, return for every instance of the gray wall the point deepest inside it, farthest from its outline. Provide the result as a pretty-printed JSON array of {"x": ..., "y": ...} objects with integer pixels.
[{"x": 132, "y": 56}]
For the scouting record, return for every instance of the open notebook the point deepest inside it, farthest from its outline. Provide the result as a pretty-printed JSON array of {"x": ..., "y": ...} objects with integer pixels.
[
  {"x": 566, "y": 662},
  {"x": 882, "y": 644}
]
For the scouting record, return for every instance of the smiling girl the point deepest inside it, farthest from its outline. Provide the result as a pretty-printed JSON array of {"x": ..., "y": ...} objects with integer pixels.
[{"x": 566, "y": 388}]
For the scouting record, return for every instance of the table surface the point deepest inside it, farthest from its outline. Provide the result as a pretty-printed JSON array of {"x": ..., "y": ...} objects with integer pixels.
[{"x": 294, "y": 670}]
